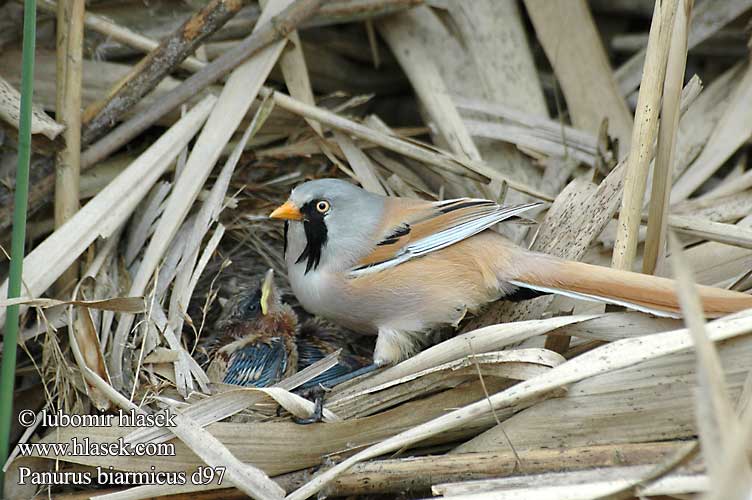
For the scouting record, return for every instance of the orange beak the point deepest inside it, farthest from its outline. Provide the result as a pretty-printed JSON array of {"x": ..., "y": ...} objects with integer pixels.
[{"x": 288, "y": 211}]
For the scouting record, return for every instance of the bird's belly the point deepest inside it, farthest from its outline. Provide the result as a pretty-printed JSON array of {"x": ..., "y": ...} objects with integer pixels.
[
  {"x": 322, "y": 294},
  {"x": 414, "y": 296}
]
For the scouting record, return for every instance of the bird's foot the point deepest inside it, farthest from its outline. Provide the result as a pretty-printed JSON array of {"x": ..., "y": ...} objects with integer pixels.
[
  {"x": 318, "y": 408},
  {"x": 318, "y": 393}
]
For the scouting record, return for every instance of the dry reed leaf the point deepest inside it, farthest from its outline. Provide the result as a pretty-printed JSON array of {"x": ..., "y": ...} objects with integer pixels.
[
  {"x": 610, "y": 357},
  {"x": 186, "y": 368},
  {"x": 709, "y": 17},
  {"x": 618, "y": 325},
  {"x": 95, "y": 178},
  {"x": 402, "y": 171},
  {"x": 363, "y": 168},
  {"x": 206, "y": 254},
  {"x": 531, "y": 139},
  {"x": 581, "y": 485},
  {"x": 186, "y": 277},
  {"x": 503, "y": 367},
  {"x": 169, "y": 266},
  {"x": 652, "y": 400},
  {"x": 735, "y": 462},
  {"x": 296, "y": 405},
  {"x": 467, "y": 44},
  {"x": 10, "y": 103},
  {"x": 97, "y": 78},
  {"x": 411, "y": 149},
  {"x": 715, "y": 263},
  {"x": 400, "y": 187},
  {"x": 244, "y": 476},
  {"x": 732, "y": 130},
  {"x": 152, "y": 208},
  {"x": 88, "y": 343},
  {"x": 732, "y": 184},
  {"x": 565, "y": 134},
  {"x": 722, "y": 208},
  {"x": 220, "y": 406},
  {"x": 643, "y": 134},
  {"x": 498, "y": 361},
  {"x": 410, "y": 49},
  {"x": 495, "y": 39},
  {"x": 109, "y": 209},
  {"x": 655, "y": 246},
  {"x": 161, "y": 355},
  {"x": 573, "y": 46},
  {"x": 700, "y": 119},
  {"x": 712, "y": 231},
  {"x": 118, "y": 304},
  {"x": 238, "y": 93},
  {"x": 295, "y": 71},
  {"x": 490, "y": 338},
  {"x": 280, "y": 447},
  {"x": 103, "y": 387},
  {"x": 717, "y": 423}
]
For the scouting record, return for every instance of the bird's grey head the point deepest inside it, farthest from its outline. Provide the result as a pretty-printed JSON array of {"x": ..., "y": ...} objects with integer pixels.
[{"x": 331, "y": 223}]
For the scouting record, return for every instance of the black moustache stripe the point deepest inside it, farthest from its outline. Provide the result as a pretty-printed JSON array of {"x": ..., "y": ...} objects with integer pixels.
[
  {"x": 287, "y": 228},
  {"x": 316, "y": 236}
]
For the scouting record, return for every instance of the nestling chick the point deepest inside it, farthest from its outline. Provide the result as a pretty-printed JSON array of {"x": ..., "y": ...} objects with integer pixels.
[
  {"x": 318, "y": 339},
  {"x": 260, "y": 341},
  {"x": 255, "y": 344}
]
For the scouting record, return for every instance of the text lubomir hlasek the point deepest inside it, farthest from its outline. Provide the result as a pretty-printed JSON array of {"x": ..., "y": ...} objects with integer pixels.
[{"x": 131, "y": 418}]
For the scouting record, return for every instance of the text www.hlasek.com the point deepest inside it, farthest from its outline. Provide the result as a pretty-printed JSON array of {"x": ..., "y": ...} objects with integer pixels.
[{"x": 85, "y": 446}]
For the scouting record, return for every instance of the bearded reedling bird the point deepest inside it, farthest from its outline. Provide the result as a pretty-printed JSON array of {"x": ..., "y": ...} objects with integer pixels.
[
  {"x": 397, "y": 267},
  {"x": 261, "y": 341}
]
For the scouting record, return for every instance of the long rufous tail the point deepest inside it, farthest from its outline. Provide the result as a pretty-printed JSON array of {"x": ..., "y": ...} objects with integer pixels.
[{"x": 642, "y": 292}]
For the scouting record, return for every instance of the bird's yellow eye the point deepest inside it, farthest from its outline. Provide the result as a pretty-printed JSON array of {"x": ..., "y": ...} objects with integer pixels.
[{"x": 322, "y": 206}]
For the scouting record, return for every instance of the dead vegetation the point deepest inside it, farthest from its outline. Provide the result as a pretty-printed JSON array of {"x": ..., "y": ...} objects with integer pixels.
[{"x": 196, "y": 119}]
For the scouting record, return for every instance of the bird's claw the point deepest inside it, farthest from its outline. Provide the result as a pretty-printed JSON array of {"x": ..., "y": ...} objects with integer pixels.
[{"x": 318, "y": 410}]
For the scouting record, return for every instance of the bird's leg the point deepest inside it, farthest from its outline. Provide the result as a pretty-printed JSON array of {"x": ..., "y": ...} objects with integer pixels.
[
  {"x": 318, "y": 408},
  {"x": 392, "y": 346},
  {"x": 319, "y": 392}
]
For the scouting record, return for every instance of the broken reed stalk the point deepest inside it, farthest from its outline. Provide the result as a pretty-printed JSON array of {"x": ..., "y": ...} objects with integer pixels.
[
  {"x": 643, "y": 134},
  {"x": 467, "y": 168},
  {"x": 655, "y": 242},
  {"x": 572, "y": 43},
  {"x": 420, "y": 473},
  {"x": 336, "y": 12},
  {"x": 144, "y": 77},
  {"x": 70, "y": 39},
  {"x": 8, "y": 369},
  {"x": 278, "y": 28},
  {"x": 608, "y": 358},
  {"x": 348, "y": 11},
  {"x": 121, "y": 34},
  {"x": 717, "y": 422},
  {"x": 332, "y": 12}
]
